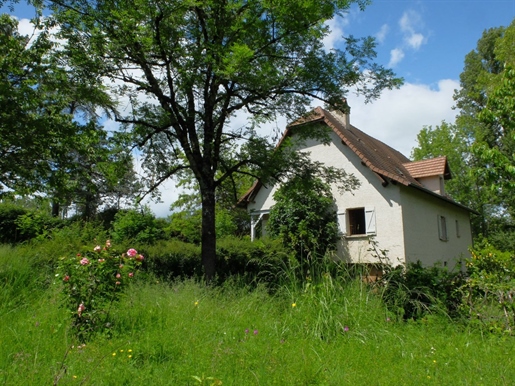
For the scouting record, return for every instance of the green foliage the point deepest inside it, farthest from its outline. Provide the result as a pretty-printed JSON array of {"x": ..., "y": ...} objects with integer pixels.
[
  {"x": 37, "y": 224},
  {"x": 139, "y": 226},
  {"x": 186, "y": 225},
  {"x": 488, "y": 294},
  {"x": 252, "y": 262},
  {"x": 415, "y": 291},
  {"x": 9, "y": 231},
  {"x": 304, "y": 216},
  {"x": 92, "y": 281}
]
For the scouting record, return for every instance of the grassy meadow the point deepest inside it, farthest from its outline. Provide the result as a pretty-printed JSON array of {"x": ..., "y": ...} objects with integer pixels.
[{"x": 336, "y": 331}]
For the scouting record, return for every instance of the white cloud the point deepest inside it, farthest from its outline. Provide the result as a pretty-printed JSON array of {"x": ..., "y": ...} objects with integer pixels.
[
  {"x": 415, "y": 41},
  {"x": 399, "y": 115},
  {"x": 409, "y": 23},
  {"x": 336, "y": 26},
  {"x": 396, "y": 55},
  {"x": 381, "y": 35}
]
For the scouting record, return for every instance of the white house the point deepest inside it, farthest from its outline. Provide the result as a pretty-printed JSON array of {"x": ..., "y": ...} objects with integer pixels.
[{"x": 400, "y": 205}]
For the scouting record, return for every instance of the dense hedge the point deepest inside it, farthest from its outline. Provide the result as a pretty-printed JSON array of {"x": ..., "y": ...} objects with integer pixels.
[{"x": 255, "y": 261}]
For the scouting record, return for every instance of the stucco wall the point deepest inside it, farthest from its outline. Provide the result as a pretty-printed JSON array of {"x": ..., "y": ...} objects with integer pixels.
[
  {"x": 421, "y": 230},
  {"x": 371, "y": 194}
]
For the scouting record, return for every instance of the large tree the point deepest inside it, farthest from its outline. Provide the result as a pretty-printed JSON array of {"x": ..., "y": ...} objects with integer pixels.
[{"x": 187, "y": 67}]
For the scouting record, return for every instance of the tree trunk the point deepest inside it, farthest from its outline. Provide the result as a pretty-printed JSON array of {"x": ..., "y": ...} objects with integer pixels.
[{"x": 208, "y": 249}]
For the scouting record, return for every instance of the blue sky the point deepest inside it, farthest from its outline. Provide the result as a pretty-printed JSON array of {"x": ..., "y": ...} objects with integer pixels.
[
  {"x": 423, "y": 41},
  {"x": 429, "y": 38}
]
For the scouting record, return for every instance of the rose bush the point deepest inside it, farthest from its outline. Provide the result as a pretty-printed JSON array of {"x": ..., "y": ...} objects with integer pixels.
[{"x": 93, "y": 281}]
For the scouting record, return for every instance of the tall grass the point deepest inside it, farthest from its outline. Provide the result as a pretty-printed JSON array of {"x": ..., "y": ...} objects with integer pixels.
[{"x": 330, "y": 330}]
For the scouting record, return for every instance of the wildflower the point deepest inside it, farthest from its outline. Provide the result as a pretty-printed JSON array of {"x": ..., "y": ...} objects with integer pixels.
[
  {"x": 84, "y": 261},
  {"x": 78, "y": 254},
  {"x": 293, "y": 305},
  {"x": 140, "y": 258},
  {"x": 129, "y": 350},
  {"x": 120, "y": 266},
  {"x": 118, "y": 276},
  {"x": 114, "y": 354},
  {"x": 117, "y": 283},
  {"x": 98, "y": 248},
  {"x": 132, "y": 252},
  {"x": 196, "y": 303},
  {"x": 75, "y": 376},
  {"x": 108, "y": 243},
  {"x": 131, "y": 274},
  {"x": 81, "y": 308},
  {"x": 121, "y": 350},
  {"x": 101, "y": 260},
  {"x": 256, "y": 332},
  {"x": 129, "y": 356},
  {"x": 387, "y": 319},
  {"x": 346, "y": 328},
  {"x": 246, "y": 331},
  {"x": 66, "y": 278}
]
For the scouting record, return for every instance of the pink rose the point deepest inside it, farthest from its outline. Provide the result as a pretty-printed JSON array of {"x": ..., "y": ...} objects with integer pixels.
[
  {"x": 118, "y": 276},
  {"x": 132, "y": 252},
  {"x": 117, "y": 283},
  {"x": 84, "y": 261},
  {"x": 140, "y": 258},
  {"x": 66, "y": 278},
  {"x": 131, "y": 274},
  {"x": 81, "y": 309},
  {"x": 98, "y": 248}
]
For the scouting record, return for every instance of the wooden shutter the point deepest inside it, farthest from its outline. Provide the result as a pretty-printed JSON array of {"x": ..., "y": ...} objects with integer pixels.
[
  {"x": 342, "y": 223},
  {"x": 370, "y": 220}
]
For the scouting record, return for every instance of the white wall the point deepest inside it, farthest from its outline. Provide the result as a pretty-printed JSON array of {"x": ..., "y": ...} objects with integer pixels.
[{"x": 420, "y": 216}]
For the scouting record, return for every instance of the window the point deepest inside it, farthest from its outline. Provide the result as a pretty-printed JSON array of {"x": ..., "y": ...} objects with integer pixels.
[
  {"x": 442, "y": 228},
  {"x": 357, "y": 221},
  {"x": 458, "y": 229}
]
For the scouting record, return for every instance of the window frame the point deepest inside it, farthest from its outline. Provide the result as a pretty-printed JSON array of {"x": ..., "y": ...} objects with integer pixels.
[
  {"x": 367, "y": 220},
  {"x": 443, "y": 233}
]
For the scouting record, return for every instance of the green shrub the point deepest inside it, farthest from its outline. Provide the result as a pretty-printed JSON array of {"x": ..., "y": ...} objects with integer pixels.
[
  {"x": 488, "y": 294},
  {"x": 260, "y": 261},
  {"x": 415, "y": 291},
  {"x": 9, "y": 229},
  {"x": 139, "y": 226},
  {"x": 37, "y": 225},
  {"x": 304, "y": 216}
]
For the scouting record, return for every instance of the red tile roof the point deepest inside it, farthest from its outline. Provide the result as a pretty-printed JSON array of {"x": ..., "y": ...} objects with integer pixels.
[{"x": 429, "y": 167}]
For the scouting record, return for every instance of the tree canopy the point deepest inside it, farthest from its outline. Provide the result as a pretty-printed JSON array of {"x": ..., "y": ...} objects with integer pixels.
[{"x": 183, "y": 69}]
